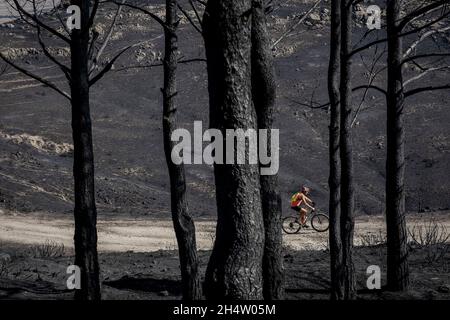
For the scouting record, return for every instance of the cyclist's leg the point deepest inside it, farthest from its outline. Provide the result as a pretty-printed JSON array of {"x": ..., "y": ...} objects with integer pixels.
[
  {"x": 303, "y": 215},
  {"x": 296, "y": 209}
]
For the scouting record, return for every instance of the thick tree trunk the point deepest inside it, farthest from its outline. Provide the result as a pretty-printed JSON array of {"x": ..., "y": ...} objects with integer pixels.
[
  {"x": 235, "y": 267},
  {"x": 83, "y": 168},
  {"x": 182, "y": 221},
  {"x": 346, "y": 152},
  {"x": 334, "y": 180},
  {"x": 397, "y": 250},
  {"x": 264, "y": 95}
]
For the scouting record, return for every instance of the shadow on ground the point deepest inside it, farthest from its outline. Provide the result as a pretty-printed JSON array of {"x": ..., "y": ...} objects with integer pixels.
[
  {"x": 161, "y": 286},
  {"x": 26, "y": 274}
]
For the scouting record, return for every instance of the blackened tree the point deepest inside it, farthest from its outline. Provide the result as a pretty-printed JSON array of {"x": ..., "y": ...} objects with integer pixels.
[
  {"x": 182, "y": 221},
  {"x": 397, "y": 247},
  {"x": 81, "y": 76},
  {"x": 235, "y": 267},
  {"x": 336, "y": 271},
  {"x": 346, "y": 151},
  {"x": 264, "y": 95}
]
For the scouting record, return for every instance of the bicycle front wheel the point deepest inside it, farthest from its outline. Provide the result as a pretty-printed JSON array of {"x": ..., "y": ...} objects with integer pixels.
[
  {"x": 320, "y": 222},
  {"x": 291, "y": 225}
]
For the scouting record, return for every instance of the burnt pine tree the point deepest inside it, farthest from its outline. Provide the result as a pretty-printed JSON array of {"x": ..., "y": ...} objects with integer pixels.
[
  {"x": 264, "y": 95},
  {"x": 235, "y": 267},
  {"x": 79, "y": 80},
  {"x": 398, "y": 28},
  {"x": 182, "y": 221},
  {"x": 83, "y": 164},
  {"x": 397, "y": 249},
  {"x": 346, "y": 152},
  {"x": 336, "y": 270},
  {"x": 397, "y": 25}
]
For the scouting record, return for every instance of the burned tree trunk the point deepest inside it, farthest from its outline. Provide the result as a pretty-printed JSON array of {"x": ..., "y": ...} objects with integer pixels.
[
  {"x": 397, "y": 251},
  {"x": 346, "y": 152},
  {"x": 235, "y": 268},
  {"x": 264, "y": 95},
  {"x": 182, "y": 221},
  {"x": 83, "y": 168},
  {"x": 337, "y": 285}
]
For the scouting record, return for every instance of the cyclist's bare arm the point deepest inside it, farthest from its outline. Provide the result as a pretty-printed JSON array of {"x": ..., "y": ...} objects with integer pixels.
[{"x": 306, "y": 200}]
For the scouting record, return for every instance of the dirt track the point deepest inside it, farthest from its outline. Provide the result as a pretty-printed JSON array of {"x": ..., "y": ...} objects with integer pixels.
[{"x": 146, "y": 235}]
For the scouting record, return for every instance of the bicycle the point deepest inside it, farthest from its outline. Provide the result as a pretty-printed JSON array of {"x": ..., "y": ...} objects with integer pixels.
[{"x": 319, "y": 222}]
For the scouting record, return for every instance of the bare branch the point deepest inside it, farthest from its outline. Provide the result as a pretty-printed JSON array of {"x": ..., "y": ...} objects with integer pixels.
[
  {"x": 311, "y": 104},
  {"x": 151, "y": 14},
  {"x": 416, "y": 30},
  {"x": 107, "y": 38},
  {"x": 422, "y": 38},
  {"x": 3, "y": 69},
  {"x": 424, "y": 89},
  {"x": 428, "y": 55},
  {"x": 197, "y": 14},
  {"x": 35, "y": 77},
  {"x": 111, "y": 62},
  {"x": 423, "y": 74},
  {"x": 58, "y": 15},
  {"x": 92, "y": 16},
  {"x": 63, "y": 68},
  {"x": 372, "y": 77},
  {"x": 315, "y": 105},
  {"x": 192, "y": 22},
  {"x": 34, "y": 18},
  {"x": 295, "y": 25},
  {"x": 420, "y": 12},
  {"x": 203, "y": 3},
  {"x": 370, "y": 87}
]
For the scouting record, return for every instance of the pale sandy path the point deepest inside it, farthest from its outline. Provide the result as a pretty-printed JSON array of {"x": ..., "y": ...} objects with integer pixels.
[{"x": 143, "y": 235}]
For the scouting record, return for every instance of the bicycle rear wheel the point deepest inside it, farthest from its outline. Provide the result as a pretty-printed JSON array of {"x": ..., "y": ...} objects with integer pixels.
[
  {"x": 320, "y": 222},
  {"x": 291, "y": 225}
]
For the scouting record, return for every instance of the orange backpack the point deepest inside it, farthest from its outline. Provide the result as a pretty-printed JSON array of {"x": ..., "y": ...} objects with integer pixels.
[{"x": 296, "y": 200}]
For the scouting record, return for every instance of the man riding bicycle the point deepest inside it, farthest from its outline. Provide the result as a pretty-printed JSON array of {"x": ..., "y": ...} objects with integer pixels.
[{"x": 300, "y": 201}]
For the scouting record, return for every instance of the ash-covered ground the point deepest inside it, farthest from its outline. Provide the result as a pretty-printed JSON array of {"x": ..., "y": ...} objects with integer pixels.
[
  {"x": 132, "y": 184},
  {"x": 131, "y": 175}
]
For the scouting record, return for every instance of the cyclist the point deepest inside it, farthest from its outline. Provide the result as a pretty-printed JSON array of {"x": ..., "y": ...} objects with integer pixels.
[{"x": 300, "y": 202}]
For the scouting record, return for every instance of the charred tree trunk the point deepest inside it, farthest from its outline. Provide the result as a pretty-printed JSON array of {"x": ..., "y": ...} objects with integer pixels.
[
  {"x": 83, "y": 168},
  {"x": 235, "y": 268},
  {"x": 182, "y": 221},
  {"x": 397, "y": 250},
  {"x": 264, "y": 95},
  {"x": 334, "y": 180},
  {"x": 346, "y": 152}
]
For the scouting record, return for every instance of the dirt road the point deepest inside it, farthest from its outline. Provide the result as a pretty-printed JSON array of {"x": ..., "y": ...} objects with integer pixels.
[{"x": 145, "y": 235}]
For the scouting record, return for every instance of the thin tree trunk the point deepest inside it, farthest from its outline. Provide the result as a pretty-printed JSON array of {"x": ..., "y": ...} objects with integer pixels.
[
  {"x": 182, "y": 221},
  {"x": 264, "y": 95},
  {"x": 337, "y": 276},
  {"x": 397, "y": 250},
  {"x": 235, "y": 268},
  {"x": 346, "y": 152},
  {"x": 83, "y": 168}
]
